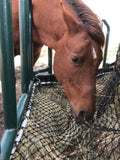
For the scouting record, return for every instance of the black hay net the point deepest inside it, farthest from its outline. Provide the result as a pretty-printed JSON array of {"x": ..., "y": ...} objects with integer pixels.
[{"x": 50, "y": 131}]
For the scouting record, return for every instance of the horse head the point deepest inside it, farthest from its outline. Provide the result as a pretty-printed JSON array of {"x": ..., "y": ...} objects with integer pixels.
[{"x": 75, "y": 65}]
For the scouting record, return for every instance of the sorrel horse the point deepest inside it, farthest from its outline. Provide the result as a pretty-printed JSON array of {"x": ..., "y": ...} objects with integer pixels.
[{"x": 74, "y": 32}]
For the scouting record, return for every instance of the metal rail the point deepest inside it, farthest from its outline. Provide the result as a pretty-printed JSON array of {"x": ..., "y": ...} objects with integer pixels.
[
  {"x": 12, "y": 114},
  {"x": 106, "y": 42}
]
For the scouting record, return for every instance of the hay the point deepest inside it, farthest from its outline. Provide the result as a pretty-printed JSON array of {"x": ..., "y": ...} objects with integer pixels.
[{"x": 53, "y": 133}]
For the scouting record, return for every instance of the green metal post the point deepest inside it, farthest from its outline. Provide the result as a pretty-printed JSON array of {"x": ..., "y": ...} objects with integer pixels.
[
  {"x": 7, "y": 65},
  {"x": 8, "y": 78},
  {"x": 50, "y": 60},
  {"x": 24, "y": 42},
  {"x": 7, "y": 143},
  {"x": 30, "y": 57}
]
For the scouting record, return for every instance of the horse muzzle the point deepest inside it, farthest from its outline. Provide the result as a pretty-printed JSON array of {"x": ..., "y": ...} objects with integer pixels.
[{"x": 83, "y": 115}]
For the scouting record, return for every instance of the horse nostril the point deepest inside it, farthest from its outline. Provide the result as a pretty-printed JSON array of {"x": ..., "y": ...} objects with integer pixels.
[{"x": 81, "y": 115}]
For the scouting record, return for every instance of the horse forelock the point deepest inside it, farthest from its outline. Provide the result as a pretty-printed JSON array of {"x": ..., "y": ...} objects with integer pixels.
[{"x": 88, "y": 19}]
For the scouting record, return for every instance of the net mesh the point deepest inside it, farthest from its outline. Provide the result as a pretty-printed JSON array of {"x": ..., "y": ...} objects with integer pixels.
[{"x": 52, "y": 131}]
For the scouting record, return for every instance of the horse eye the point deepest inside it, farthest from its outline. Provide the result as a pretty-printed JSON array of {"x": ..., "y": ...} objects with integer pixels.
[{"x": 75, "y": 60}]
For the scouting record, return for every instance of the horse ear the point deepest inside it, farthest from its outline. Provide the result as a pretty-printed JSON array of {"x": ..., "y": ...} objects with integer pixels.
[{"x": 72, "y": 24}]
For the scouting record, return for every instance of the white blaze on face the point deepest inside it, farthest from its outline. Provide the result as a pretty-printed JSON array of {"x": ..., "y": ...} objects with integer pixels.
[{"x": 94, "y": 53}]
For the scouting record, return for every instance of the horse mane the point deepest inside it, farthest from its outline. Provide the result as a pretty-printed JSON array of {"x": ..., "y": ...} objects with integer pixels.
[{"x": 89, "y": 20}]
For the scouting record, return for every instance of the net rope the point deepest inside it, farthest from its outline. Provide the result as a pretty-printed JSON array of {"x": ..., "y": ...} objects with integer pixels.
[{"x": 50, "y": 131}]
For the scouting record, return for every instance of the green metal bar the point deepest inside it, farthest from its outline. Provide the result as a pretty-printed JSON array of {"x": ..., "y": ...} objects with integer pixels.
[
  {"x": 7, "y": 65},
  {"x": 20, "y": 107},
  {"x": 12, "y": 119},
  {"x": 9, "y": 135},
  {"x": 24, "y": 42},
  {"x": 30, "y": 60},
  {"x": 107, "y": 42},
  {"x": 50, "y": 60},
  {"x": 41, "y": 70},
  {"x": 22, "y": 104},
  {"x": 8, "y": 78},
  {"x": 47, "y": 68},
  {"x": 7, "y": 143}
]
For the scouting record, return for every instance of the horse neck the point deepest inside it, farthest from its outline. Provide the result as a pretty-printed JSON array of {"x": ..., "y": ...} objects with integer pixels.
[{"x": 48, "y": 26}]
